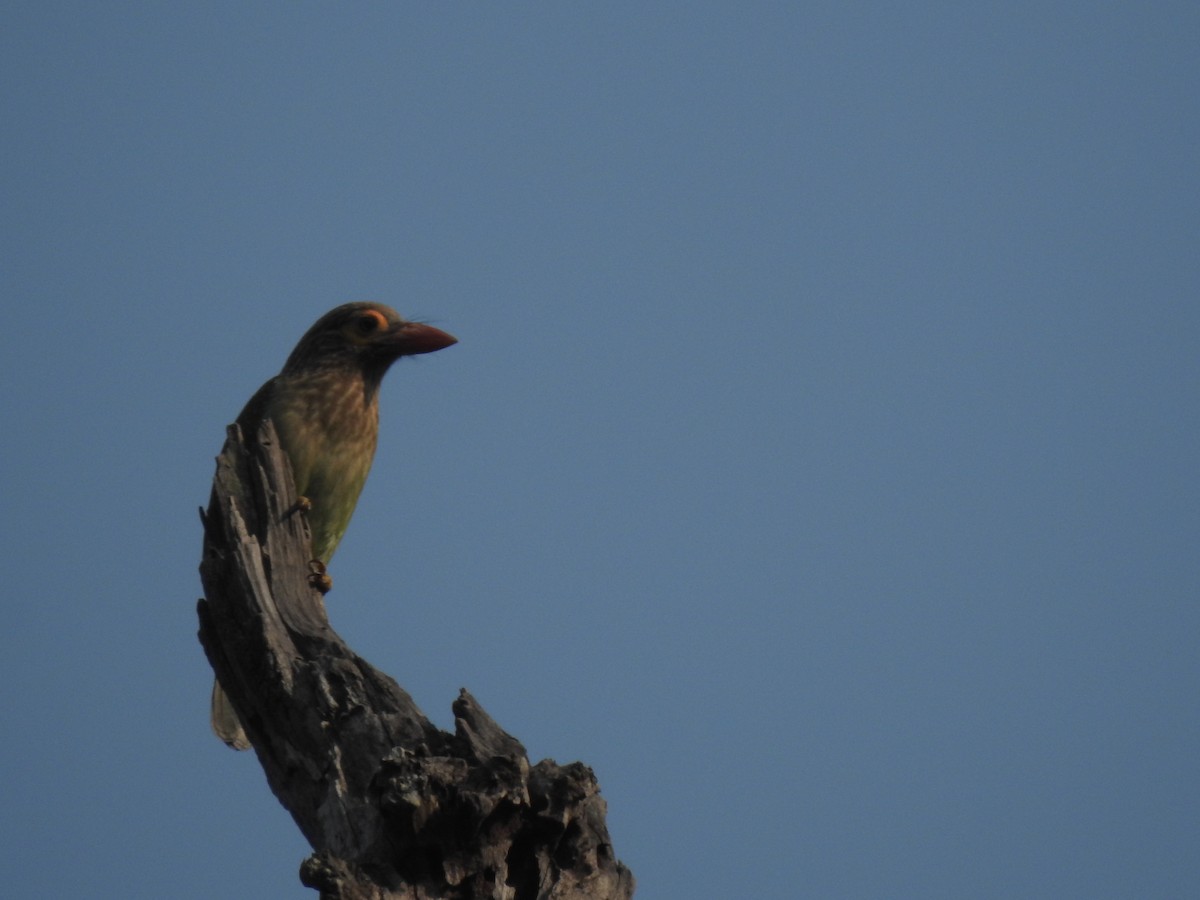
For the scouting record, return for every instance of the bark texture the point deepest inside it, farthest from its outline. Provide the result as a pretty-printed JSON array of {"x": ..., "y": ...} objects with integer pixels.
[{"x": 392, "y": 806}]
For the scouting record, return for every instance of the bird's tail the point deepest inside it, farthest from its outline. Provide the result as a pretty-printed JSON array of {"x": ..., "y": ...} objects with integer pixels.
[{"x": 225, "y": 721}]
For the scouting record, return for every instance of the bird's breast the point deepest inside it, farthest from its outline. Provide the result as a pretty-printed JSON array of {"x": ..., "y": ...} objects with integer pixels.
[{"x": 329, "y": 431}]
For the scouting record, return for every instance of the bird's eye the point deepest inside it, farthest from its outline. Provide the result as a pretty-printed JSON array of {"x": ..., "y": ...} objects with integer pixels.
[{"x": 371, "y": 321}]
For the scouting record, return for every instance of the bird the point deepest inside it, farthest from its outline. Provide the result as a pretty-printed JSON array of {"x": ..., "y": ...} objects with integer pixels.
[{"x": 325, "y": 406}]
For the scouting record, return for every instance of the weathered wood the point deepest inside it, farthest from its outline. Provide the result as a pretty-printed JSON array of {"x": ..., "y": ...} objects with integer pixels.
[{"x": 392, "y": 806}]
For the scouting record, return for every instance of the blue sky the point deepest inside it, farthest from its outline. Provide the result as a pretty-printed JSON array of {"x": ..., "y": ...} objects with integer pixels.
[{"x": 818, "y": 462}]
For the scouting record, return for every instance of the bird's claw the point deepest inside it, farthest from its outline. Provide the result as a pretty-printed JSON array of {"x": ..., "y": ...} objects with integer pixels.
[{"x": 318, "y": 578}]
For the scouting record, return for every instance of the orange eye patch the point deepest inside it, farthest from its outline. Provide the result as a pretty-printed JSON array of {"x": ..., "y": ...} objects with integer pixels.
[{"x": 372, "y": 320}]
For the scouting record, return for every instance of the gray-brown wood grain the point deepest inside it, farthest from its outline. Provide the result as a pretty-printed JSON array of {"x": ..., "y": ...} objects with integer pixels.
[{"x": 392, "y": 806}]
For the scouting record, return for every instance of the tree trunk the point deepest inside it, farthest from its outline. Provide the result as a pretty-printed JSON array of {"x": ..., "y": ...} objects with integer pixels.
[{"x": 392, "y": 806}]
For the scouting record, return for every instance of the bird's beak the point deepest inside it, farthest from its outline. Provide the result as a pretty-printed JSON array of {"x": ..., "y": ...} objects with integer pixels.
[{"x": 412, "y": 338}]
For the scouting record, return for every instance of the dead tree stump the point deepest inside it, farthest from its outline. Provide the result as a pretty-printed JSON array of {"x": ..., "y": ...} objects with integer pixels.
[{"x": 392, "y": 806}]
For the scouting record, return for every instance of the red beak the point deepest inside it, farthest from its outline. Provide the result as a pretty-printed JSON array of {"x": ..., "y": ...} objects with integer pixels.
[{"x": 412, "y": 338}]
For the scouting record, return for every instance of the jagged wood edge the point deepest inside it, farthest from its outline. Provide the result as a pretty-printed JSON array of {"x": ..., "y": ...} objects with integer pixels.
[{"x": 392, "y": 806}]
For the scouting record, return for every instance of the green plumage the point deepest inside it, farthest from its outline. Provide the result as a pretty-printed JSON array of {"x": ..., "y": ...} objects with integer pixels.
[
  {"x": 328, "y": 424},
  {"x": 325, "y": 406}
]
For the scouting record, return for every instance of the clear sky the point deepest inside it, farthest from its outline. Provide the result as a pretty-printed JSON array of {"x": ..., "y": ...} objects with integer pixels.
[{"x": 818, "y": 461}]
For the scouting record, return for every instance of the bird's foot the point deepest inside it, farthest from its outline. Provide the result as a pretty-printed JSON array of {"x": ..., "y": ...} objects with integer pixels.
[
  {"x": 318, "y": 578},
  {"x": 303, "y": 505}
]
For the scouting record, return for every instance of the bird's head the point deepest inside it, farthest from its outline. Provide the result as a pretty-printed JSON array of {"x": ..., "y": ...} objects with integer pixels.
[{"x": 362, "y": 337}]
